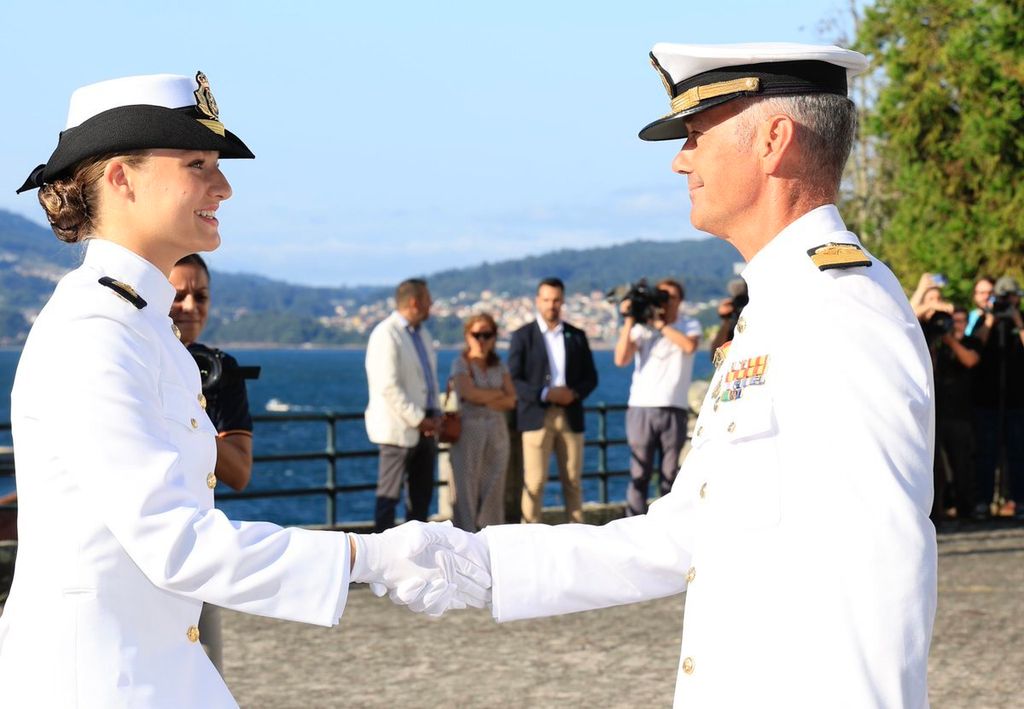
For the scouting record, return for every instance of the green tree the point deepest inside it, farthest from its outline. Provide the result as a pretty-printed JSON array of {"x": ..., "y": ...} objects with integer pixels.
[{"x": 946, "y": 127}]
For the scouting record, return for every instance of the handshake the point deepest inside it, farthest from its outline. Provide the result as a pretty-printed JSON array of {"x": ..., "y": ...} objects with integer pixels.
[{"x": 429, "y": 567}]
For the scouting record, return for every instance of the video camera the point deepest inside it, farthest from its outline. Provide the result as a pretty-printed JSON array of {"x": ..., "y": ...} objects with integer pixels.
[
  {"x": 211, "y": 366},
  {"x": 938, "y": 325},
  {"x": 644, "y": 301}
]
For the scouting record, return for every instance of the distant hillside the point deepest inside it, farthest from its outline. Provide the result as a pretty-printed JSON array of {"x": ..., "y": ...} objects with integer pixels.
[
  {"x": 704, "y": 266},
  {"x": 251, "y": 308}
]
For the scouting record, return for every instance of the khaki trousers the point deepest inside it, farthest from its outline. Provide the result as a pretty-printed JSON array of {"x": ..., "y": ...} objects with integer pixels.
[{"x": 555, "y": 437}]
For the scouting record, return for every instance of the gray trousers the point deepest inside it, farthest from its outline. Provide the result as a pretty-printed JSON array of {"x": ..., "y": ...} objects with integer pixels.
[
  {"x": 479, "y": 460},
  {"x": 210, "y": 635},
  {"x": 651, "y": 430},
  {"x": 411, "y": 467}
]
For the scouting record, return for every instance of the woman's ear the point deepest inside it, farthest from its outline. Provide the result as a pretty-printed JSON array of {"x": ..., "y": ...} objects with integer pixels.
[{"x": 119, "y": 178}]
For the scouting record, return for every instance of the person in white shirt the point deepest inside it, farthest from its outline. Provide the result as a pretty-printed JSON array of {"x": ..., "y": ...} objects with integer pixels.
[
  {"x": 553, "y": 371},
  {"x": 798, "y": 525},
  {"x": 656, "y": 419}
]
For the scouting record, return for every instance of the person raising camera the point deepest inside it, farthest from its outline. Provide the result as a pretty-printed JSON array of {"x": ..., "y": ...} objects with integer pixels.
[
  {"x": 661, "y": 341},
  {"x": 999, "y": 396}
]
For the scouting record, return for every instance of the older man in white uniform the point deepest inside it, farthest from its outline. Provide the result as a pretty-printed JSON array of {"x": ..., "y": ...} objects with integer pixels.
[{"x": 799, "y": 523}]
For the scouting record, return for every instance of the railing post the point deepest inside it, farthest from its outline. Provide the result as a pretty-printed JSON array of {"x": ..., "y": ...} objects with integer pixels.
[
  {"x": 602, "y": 452},
  {"x": 332, "y": 514}
]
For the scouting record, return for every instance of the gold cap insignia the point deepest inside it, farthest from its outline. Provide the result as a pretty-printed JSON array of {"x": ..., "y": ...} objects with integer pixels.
[
  {"x": 833, "y": 255},
  {"x": 207, "y": 105}
]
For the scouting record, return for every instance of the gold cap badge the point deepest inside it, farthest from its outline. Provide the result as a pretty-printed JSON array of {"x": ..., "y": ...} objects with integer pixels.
[{"x": 207, "y": 105}]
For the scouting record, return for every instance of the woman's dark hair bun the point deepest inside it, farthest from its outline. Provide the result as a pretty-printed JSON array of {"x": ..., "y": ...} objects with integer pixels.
[{"x": 64, "y": 202}]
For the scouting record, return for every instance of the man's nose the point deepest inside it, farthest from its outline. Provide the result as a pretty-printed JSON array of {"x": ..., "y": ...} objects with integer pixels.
[{"x": 681, "y": 162}]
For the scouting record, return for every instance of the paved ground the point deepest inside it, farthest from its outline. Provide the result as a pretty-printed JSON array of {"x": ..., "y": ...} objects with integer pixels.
[{"x": 385, "y": 656}]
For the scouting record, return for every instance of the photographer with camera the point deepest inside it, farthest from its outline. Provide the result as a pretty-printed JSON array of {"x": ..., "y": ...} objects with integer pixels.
[
  {"x": 661, "y": 342},
  {"x": 999, "y": 396},
  {"x": 729, "y": 310},
  {"x": 226, "y": 403}
]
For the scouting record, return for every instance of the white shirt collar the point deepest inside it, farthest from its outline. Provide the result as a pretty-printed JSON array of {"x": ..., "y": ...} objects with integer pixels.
[
  {"x": 123, "y": 264},
  {"x": 816, "y": 227},
  {"x": 556, "y": 330}
]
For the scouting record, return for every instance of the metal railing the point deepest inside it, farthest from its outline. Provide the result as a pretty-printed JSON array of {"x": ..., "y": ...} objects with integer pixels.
[{"x": 333, "y": 458}]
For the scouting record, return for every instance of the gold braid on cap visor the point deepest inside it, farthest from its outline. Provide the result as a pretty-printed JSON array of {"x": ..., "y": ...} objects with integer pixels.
[{"x": 693, "y": 97}]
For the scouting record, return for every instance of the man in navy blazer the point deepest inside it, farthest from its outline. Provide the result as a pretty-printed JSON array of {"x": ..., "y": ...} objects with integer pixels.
[{"x": 553, "y": 371}]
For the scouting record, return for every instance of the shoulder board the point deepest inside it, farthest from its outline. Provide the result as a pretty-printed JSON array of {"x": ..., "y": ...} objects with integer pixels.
[
  {"x": 833, "y": 255},
  {"x": 124, "y": 291}
]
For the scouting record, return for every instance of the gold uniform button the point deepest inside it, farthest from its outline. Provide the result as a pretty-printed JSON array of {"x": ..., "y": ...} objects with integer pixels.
[
  {"x": 688, "y": 665},
  {"x": 211, "y": 481},
  {"x": 703, "y": 488},
  {"x": 741, "y": 325},
  {"x": 202, "y": 400},
  {"x": 732, "y": 427},
  {"x": 691, "y": 573},
  {"x": 715, "y": 407},
  {"x": 176, "y": 331},
  {"x": 192, "y": 634},
  {"x": 195, "y": 424}
]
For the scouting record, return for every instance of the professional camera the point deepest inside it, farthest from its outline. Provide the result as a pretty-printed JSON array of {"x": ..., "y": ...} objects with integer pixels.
[
  {"x": 644, "y": 301},
  {"x": 1000, "y": 304},
  {"x": 211, "y": 366},
  {"x": 938, "y": 325}
]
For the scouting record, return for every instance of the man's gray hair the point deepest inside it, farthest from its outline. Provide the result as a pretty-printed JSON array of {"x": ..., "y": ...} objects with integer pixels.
[{"x": 826, "y": 127}]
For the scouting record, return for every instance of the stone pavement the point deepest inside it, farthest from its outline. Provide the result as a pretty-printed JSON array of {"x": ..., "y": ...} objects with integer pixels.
[{"x": 381, "y": 655}]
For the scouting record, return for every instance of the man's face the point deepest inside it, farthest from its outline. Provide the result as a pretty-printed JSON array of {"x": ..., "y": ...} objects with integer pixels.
[
  {"x": 549, "y": 303},
  {"x": 982, "y": 292},
  {"x": 423, "y": 303},
  {"x": 673, "y": 303},
  {"x": 959, "y": 324},
  {"x": 721, "y": 169}
]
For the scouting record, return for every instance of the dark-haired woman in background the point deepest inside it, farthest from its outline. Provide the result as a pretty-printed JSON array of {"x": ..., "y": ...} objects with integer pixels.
[
  {"x": 227, "y": 405},
  {"x": 480, "y": 456}
]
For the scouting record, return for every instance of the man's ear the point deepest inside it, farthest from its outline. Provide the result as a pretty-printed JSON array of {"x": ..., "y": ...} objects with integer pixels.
[{"x": 776, "y": 139}]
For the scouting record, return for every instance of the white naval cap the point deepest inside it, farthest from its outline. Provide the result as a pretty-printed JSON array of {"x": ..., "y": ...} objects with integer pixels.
[
  {"x": 699, "y": 76},
  {"x": 138, "y": 113}
]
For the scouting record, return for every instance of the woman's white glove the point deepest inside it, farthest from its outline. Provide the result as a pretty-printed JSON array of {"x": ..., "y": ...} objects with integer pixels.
[{"x": 418, "y": 565}]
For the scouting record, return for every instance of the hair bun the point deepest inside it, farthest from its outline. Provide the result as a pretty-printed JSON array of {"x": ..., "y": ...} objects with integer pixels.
[{"x": 66, "y": 209}]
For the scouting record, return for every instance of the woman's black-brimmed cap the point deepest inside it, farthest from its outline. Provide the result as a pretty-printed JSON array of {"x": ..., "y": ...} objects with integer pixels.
[
  {"x": 699, "y": 76},
  {"x": 138, "y": 113}
]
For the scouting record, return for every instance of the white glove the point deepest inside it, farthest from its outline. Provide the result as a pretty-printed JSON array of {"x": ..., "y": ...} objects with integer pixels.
[{"x": 417, "y": 566}]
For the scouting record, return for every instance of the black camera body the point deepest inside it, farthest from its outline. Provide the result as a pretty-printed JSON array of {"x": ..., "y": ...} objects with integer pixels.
[
  {"x": 1002, "y": 307},
  {"x": 212, "y": 369},
  {"x": 938, "y": 325},
  {"x": 645, "y": 302}
]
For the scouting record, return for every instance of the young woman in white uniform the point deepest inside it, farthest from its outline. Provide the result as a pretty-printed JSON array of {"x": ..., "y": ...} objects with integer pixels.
[{"x": 119, "y": 541}]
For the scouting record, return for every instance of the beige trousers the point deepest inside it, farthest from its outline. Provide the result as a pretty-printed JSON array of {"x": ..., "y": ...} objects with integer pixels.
[{"x": 555, "y": 437}]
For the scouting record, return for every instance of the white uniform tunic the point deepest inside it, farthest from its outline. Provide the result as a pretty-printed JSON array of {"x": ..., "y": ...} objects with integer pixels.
[
  {"x": 119, "y": 540},
  {"x": 799, "y": 522}
]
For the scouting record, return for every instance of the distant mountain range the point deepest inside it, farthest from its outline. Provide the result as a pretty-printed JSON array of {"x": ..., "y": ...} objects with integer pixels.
[{"x": 251, "y": 308}]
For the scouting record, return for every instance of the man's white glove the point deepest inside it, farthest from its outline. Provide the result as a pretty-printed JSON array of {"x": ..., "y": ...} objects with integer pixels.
[{"x": 417, "y": 566}]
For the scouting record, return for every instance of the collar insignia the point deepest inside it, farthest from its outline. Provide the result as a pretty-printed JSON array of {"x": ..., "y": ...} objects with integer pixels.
[
  {"x": 207, "y": 105},
  {"x": 833, "y": 255},
  {"x": 123, "y": 291}
]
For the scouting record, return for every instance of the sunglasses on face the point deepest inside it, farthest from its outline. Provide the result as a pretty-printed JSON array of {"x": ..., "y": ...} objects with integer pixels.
[{"x": 483, "y": 335}]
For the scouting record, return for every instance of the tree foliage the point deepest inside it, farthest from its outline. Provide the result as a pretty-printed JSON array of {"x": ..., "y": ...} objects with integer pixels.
[{"x": 947, "y": 124}]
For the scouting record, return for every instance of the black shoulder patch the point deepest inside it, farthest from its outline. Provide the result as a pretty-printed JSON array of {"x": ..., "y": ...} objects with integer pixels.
[
  {"x": 124, "y": 291},
  {"x": 833, "y": 255}
]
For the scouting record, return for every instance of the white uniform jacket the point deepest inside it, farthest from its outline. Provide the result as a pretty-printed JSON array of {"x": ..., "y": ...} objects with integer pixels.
[
  {"x": 398, "y": 387},
  {"x": 798, "y": 524},
  {"x": 119, "y": 542}
]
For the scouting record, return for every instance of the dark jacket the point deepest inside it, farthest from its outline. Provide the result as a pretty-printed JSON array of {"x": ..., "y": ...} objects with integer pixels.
[{"x": 528, "y": 364}]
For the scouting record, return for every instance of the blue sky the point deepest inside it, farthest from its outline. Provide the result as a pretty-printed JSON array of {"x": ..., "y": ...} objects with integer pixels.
[{"x": 399, "y": 138}]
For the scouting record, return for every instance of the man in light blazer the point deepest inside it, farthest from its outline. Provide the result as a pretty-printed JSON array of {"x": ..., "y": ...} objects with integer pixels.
[
  {"x": 553, "y": 371},
  {"x": 403, "y": 412}
]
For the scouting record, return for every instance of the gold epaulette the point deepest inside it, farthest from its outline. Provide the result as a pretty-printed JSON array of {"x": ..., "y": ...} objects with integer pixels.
[{"x": 833, "y": 255}]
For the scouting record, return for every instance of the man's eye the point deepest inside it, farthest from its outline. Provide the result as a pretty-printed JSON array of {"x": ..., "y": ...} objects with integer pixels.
[{"x": 197, "y": 164}]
